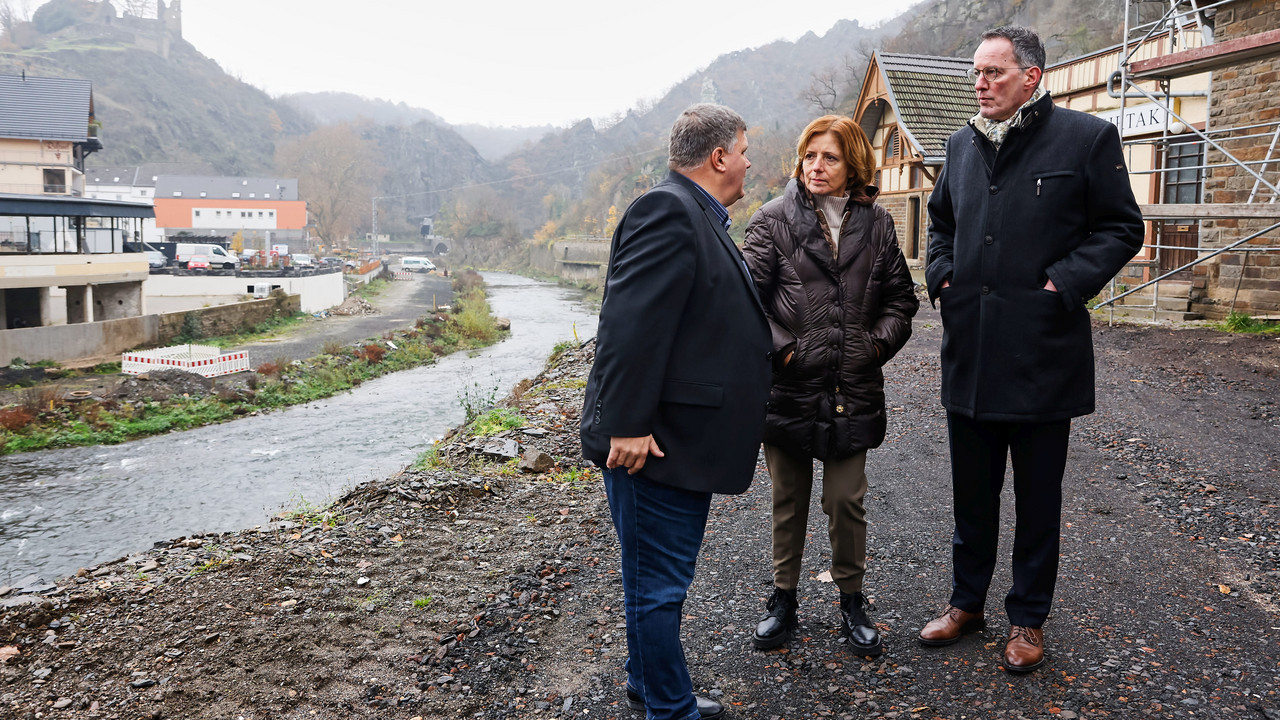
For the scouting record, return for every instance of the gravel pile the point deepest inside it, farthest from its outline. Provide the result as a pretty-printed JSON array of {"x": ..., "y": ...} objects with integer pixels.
[{"x": 355, "y": 305}]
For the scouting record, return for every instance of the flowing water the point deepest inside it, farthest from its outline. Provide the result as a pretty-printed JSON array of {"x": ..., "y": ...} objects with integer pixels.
[{"x": 65, "y": 509}]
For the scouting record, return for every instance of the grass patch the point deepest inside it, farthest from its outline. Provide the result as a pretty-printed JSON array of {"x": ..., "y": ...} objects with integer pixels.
[
  {"x": 495, "y": 421},
  {"x": 1238, "y": 322},
  {"x": 422, "y": 602}
]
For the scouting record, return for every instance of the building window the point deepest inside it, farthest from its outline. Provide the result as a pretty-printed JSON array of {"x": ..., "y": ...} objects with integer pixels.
[
  {"x": 891, "y": 146},
  {"x": 144, "y": 193},
  {"x": 55, "y": 181},
  {"x": 271, "y": 213},
  {"x": 197, "y": 212},
  {"x": 203, "y": 194},
  {"x": 876, "y": 182},
  {"x": 177, "y": 193},
  {"x": 1182, "y": 177},
  {"x": 259, "y": 213},
  {"x": 917, "y": 176},
  {"x": 219, "y": 213},
  {"x": 266, "y": 195},
  {"x": 235, "y": 194},
  {"x": 252, "y": 194}
]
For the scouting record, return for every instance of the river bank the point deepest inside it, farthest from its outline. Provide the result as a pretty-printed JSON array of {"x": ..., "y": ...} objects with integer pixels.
[
  {"x": 123, "y": 408},
  {"x": 469, "y": 588}
]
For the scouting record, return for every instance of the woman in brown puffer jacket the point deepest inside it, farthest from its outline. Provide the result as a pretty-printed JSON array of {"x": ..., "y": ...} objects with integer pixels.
[{"x": 839, "y": 299}]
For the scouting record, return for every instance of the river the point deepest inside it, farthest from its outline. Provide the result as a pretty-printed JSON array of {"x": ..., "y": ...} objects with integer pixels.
[{"x": 65, "y": 509}]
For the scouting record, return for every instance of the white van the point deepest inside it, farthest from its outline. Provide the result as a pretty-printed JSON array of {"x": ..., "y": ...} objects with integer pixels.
[
  {"x": 219, "y": 257},
  {"x": 417, "y": 264}
]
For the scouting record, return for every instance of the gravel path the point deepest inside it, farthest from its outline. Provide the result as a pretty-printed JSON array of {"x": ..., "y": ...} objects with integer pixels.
[
  {"x": 471, "y": 590},
  {"x": 399, "y": 306}
]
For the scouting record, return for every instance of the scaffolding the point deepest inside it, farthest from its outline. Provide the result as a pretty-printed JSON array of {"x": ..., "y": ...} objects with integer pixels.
[{"x": 1165, "y": 263}]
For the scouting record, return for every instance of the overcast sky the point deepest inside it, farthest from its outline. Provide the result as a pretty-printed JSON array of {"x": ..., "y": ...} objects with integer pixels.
[{"x": 498, "y": 62}]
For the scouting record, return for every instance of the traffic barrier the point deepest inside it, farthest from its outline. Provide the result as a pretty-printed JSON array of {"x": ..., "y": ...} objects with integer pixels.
[
  {"x": 205, "y": 360},
  {"x": 402, "y": 275}
]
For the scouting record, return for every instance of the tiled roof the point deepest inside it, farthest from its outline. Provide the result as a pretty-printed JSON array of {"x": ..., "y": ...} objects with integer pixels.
[
  {"x": 225, "y": 187},
  {"x": 931, "y": 96},
  {"x": 142, "y": 175},
  {"x": 45, "y": 108}
]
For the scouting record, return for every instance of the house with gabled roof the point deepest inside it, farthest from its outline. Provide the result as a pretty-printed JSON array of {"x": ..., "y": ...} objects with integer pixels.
[
  {"x": 62, "y": 255},
  {"x": 908, "y": 106}
]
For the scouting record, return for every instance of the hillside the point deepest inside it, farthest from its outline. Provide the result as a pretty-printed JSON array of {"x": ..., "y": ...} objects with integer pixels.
[
  {"x": 170, "y": 103},
  {"x": 335, "y": 107},
  {"x": 184, "y": 109}
]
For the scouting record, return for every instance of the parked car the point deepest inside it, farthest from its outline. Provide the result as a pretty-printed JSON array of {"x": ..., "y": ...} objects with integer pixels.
[
  {"x": 156, "y": 259},
  {"x": 198, "y": 263},
  {"x": 302, "y": 260},
  {"x": 331, "y": 262},
  {"x": 417, "y": 264}
]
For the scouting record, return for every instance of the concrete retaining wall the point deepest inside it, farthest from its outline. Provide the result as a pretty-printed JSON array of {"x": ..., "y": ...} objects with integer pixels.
[
  {"x": 180, "y": 292},
  {"x": 102, "y": 341}
]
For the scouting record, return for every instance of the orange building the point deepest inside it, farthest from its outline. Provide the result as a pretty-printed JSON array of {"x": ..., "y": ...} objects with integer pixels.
[{"x": 263, "y": 211}]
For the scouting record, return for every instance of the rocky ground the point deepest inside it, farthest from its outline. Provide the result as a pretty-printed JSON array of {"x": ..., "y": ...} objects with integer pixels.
[{"x": 474, "y": 589}]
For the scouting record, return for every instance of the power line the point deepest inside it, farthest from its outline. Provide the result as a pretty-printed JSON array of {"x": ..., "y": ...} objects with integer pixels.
[{"x": 524, "y": 177}]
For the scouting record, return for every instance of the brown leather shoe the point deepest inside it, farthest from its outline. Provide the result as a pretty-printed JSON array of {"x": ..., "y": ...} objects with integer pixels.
[
  {"x": 1025, "y": 651},
  {"x": 950, "y": 625}
]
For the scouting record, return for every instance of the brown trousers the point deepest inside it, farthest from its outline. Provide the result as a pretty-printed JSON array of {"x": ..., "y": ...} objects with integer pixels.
[{"x": 844, "y": 485}]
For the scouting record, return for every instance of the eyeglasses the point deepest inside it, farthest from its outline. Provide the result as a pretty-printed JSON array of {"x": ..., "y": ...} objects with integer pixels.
[{"x": 990, "y": 73}]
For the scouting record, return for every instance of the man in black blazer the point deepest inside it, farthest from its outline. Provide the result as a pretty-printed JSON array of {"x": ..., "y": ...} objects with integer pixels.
[{"x": 677, "y": 395}]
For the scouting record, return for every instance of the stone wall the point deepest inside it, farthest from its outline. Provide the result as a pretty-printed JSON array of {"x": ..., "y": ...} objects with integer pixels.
[
  {"x": 1243, "y": 94},
  {"x": 900, "y": 207},
  {"x": 228, "y": 319}
]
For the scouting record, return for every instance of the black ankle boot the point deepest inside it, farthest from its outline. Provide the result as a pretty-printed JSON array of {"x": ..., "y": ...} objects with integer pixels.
[
  {"x": 862, "y": 635},
  {"x": 779, "y": 624}
]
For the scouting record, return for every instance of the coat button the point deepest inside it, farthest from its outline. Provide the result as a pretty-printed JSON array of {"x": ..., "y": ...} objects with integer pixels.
[
  {"x": 839, "y": 408},
  {"x": 768, "y": 356},
  {"x": 994, "y": 189},
  {"x": 986, "y": 290},
  {"x": 989, "y": 240}
]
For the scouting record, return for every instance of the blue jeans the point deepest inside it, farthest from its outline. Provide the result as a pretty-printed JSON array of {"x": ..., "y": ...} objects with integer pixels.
[{"x": 660, "y": 529}]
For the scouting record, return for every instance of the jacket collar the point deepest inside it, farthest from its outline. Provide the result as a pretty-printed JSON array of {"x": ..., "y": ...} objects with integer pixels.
[
  {"x": 802, "y": 216},
  {"x": 704, "y": 201}
]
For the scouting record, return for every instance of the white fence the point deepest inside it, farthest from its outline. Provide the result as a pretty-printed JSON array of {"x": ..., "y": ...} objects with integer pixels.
[{"x": 205, "y": 360}]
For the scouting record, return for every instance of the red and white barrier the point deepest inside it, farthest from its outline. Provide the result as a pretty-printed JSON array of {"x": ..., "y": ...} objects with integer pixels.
[
  {"x": 401, "y": 275},
  {"x": 205, "y": 360}
]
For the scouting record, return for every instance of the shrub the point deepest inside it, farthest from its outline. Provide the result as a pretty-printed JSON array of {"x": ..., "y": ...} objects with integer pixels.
[
  {"x": 42, "y": 398},
  {"x": 333, "y": 347},
  {"x": 15, "y": 417},
  {"x": 467, "y": 280},
  {"x": 371, "y": 353},
  {"x": 269, "y": 369},
  {"x": 192, "y": 329}
]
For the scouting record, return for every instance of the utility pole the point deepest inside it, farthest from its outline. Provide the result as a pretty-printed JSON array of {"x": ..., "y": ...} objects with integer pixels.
[{"x": 374, "y": 225}]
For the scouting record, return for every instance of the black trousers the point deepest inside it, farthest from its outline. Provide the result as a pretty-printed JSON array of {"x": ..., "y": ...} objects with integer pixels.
[{"x": 979, "y": 454}]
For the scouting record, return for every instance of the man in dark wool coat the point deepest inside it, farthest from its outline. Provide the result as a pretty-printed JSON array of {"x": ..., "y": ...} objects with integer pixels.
[
  {"x": 1032, "y": 215},
  {"x": 675, "y": 402}
]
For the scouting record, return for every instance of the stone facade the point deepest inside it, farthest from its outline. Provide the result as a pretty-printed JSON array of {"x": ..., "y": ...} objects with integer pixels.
[{"x": 1242, "y": 95}]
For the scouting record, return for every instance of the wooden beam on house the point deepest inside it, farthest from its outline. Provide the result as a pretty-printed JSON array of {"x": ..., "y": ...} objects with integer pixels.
[
  {"x": 1210, "y": 211},
  {"x": 1208, "y": 57}
]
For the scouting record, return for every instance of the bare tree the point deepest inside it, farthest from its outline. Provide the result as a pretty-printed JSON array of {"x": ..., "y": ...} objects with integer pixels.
[
  {"x": 337, "y": 172},
  {"x": 823, "y": 90},
  {"x": 14, "y": 12},
  {"x": 138, "y": 8}
]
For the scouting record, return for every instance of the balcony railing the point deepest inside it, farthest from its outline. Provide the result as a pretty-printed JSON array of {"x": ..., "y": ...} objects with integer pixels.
[{"x": 41, "y": 189}]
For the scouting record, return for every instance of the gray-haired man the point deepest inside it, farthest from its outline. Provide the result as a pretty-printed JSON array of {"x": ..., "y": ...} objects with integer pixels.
[{"x": 675, "y": 402}]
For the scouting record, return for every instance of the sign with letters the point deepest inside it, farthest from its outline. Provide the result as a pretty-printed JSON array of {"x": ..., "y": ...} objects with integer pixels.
[{"x": 1141, "y": 119}]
